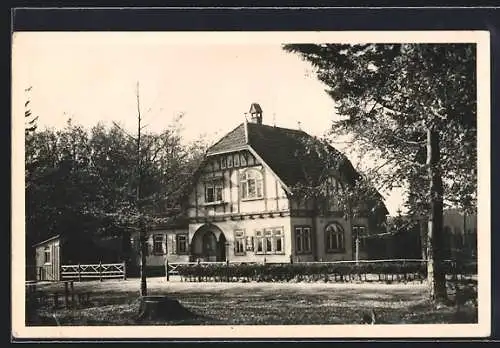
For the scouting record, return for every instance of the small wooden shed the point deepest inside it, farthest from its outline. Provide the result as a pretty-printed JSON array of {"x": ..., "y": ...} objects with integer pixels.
[{"x": 48, "y": 259}]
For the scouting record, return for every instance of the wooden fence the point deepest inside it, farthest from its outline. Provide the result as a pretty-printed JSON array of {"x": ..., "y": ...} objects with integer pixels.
[{"x": 96, "y": 271}]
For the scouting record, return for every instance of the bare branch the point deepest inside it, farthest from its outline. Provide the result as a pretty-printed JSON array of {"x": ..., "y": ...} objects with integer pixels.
[
  {"x": 123, "y": 131},
  {"x": 419, "y": 143}
]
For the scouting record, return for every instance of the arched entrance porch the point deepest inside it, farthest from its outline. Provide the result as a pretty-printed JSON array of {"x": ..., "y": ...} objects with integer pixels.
[{"x": 209, "y": 244}]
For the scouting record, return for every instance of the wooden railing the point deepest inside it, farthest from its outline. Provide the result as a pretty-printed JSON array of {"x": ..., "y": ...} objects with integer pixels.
[{"x": 95, "y": 271}]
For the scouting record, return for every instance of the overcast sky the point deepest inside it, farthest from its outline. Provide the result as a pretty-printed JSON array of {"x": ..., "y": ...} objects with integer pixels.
[{"x": 93, "y": 78}]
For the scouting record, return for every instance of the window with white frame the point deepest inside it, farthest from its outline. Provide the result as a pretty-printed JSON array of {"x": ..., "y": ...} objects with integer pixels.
[
  {"x": 239, "y": 242},
  {"x": 236, "y": 162},
  {"x": 46, "y": 254},
  {"x": 278, "y": 241},
  {"x": 334, "y": 238},
  {"x": 158, "y": 244},
  {"x": 251, "y": 184},
  {"x": 259, "y": 242},
  {"x": 213, "y": 191},
  {"x": 303, "y": 240},
  {"x": 269, "y": 241}
]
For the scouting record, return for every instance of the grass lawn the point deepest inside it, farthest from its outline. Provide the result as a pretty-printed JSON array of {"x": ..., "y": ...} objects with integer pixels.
[{"x": 115, "y": 302}]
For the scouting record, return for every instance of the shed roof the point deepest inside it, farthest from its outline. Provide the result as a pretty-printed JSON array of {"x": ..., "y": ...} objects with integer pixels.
[{"x": 47, "y": 240}]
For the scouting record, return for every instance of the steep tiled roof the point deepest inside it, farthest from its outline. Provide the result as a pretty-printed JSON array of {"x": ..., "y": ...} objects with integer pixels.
[
  {"x": 233, "y": 139},
  {"x": 282, "y": 149},
  {"x": 285, "y": 151}
]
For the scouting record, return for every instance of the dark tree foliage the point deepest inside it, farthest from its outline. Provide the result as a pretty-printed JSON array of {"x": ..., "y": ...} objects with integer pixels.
[
  {"x": 414, "y": 105},
  {"x": 81, "y": 182}
]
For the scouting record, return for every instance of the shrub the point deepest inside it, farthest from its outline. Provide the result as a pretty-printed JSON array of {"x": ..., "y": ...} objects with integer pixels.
[{"x": 313, "y": 271}]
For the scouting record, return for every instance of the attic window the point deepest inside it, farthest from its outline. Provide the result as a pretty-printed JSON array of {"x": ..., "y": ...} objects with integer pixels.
[
  {"x": 251, "y": 184},
  {"x": 250, "y": 160},
  {"x": 243, "y": 159}
]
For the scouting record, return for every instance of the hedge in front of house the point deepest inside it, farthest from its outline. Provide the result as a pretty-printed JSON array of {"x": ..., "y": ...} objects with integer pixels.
[
  {"x": 388, "y": 271},
  {"x": 296, "y": 271}
]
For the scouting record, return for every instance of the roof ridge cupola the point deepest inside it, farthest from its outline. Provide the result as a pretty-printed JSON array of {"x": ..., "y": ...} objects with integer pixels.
[{"x": 255, "y": 113}]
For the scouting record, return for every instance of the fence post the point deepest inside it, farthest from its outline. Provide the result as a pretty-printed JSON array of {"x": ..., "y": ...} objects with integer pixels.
[
  {"x": 227, "y": 270},
  {"x": 357, "y": 250},
  {"x": 124, "y": 270},
  {"x": 100, "y": 271},
  {"x": 199, "y": 273},
  {"x": 167, "y": 273},
  {"x": 56, "y": 299},
  {"x": 72, "y": 292},
  {"x": 79, "y": 273},
  {"x": 66, "y": 294}
]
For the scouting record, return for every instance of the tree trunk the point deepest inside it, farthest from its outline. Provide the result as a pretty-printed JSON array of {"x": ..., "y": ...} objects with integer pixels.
[
  {"x": 126, "y": 249},
  {"x": 423, "y": 239},
  {"x": 435, "y": 276},
  {"x": 144, "y": 247},
  {"x": 142, "y": 232}
]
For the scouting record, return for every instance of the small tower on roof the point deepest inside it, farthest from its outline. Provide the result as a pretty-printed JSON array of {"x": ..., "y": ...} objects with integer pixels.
[{"x": 255, "y": 113}]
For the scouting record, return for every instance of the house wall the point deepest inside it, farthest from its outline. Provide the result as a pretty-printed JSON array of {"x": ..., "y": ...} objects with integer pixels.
[
  {"x": 158, "y": 259},
  {"x": 48, "y": 270},
  {"x": 304, "y": 222},
  {"x": 274, "y": 196},
  {"x": 250, "y": 226},
  {"x": 237, "y": 213},
  {"x": 318, "y": 226},
  {"x": 322, "y": 254}
]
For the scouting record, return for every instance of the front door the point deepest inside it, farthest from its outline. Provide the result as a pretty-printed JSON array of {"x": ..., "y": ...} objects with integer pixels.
[
  {"x": 209, "y": 246},
  {"x": 221, "y": 249}
]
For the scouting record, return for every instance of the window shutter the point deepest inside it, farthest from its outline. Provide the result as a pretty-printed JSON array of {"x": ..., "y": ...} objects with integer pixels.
[
  {"x": 168, "y": 243},
  {"x": 174, "y": 244}
]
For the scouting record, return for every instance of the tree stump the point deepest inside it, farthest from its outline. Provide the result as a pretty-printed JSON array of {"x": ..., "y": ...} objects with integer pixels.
[{"x": 162, "y": 307}]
